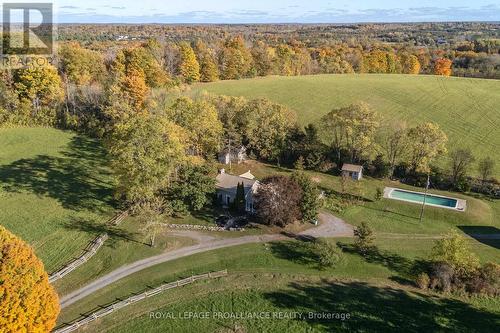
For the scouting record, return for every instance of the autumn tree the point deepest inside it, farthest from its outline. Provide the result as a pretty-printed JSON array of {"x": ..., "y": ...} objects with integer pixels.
[
  {"x": 264, "y": 57},
  {"x": 426, "y": 142},
  {"x": 268, "y": 128},
  {"x": 39, "y": 83},
  {"x": 208, "y": 66},
  {"x": 409, "y": 63},
  {"x": 351, "y": 128},
  {"x": 442, "y": 66},
  {"x": 145, "y": 150},
  {"x": 278, "y": 201},
  {"x": 134, "y": 89},
  {"x": 460, "y": 161},
  {"x": 28, "y": 303},
  {"x": 140, "y": 61},
  {"x": 331, "y": 60},
  {"x": 81, "y": 66},
  {"x": 235, "y": 59},
  {"x": 380, "y": 61},
  {"x": 189, "y": 68},
  {"x": 200, "y": 120}
]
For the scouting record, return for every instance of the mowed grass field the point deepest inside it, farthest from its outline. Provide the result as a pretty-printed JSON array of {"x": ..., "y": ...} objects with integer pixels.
[
  {"x": 285, "y": 277},
  {"x": 468, "y": 110},
  {"x": 55, "y": 191}
]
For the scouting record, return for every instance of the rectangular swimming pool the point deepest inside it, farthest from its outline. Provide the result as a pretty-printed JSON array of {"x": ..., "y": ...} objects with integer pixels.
[{"x": 431, "y": 200}]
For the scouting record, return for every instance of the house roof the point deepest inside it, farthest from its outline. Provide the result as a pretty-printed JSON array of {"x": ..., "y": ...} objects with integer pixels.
[
  {"x": 352, "y": 168},
  {"x": 229, "y": 183},
  {"x": 248, "y": 175}
]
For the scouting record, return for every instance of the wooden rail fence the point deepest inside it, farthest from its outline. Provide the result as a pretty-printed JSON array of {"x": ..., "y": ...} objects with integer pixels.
[
  {"x": 136, "y": 298},
  {"x": 89, "y": 251}
]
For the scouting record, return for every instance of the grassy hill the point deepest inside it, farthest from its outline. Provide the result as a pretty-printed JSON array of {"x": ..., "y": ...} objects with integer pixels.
[
  {"x": 467, "y": 109},
  {"x": 55, "y": 190}
]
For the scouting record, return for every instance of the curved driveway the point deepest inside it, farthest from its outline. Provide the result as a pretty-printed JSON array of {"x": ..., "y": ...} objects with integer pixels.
[{"x": 330, "y": 226}]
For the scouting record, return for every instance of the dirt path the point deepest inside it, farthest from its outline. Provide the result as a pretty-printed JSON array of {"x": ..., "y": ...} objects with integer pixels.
[{"x": 330, "y": 226}]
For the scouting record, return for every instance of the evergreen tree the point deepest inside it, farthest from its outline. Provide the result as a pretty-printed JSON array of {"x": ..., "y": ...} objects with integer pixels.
[
  {"x": 240, "y": 201},
  {"x": 310, "y": 202}
]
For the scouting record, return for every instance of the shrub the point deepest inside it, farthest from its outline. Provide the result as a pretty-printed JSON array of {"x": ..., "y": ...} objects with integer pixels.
[
  {"x": 441, "y": 276},
  {"x": 364, "y": 238},
  {"x": 454, "y": 250},
  {"x": 423, "y": 281},
  {"x": 379, "y": 194},
  {"x": 486, "y": 281},
  {"x": 329, "y": 254}
]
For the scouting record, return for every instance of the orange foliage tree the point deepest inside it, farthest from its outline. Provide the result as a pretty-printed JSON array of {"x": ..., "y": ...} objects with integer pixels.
[
  {"x": 442, "y": 66},
  {"x": 28, "y": 303}
]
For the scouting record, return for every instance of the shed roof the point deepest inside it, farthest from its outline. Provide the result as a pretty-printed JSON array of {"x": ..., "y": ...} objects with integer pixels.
[{"x": 352, "y": 168}]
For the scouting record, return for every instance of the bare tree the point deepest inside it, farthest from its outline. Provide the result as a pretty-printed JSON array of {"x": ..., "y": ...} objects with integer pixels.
[
  {"x": 485, "y": 168},
  {"x": 394, "y": 143},
  {"x": 461, "y": 159}
]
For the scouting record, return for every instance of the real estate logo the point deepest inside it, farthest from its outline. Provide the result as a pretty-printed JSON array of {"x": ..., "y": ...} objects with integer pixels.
[{"x": 28, "y": 29}]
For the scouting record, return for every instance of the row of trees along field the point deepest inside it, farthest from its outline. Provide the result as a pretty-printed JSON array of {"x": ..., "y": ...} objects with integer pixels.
[{"x": 235, "y": 59}]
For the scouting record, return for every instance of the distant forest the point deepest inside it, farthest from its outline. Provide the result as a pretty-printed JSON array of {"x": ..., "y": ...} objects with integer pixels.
[{"x": 458, "y": 49}]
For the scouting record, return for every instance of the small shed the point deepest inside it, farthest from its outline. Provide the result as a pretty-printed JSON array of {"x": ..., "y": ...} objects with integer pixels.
[
  {"x": 230, "y": 155},
  {"x": 352, "y": 171}
]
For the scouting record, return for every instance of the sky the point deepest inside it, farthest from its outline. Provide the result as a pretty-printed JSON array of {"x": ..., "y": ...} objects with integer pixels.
[{"x": 272, "y": 11}]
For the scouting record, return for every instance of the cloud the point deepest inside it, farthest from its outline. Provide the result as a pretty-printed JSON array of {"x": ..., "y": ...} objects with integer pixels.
[{"x": 329, "y": 15}]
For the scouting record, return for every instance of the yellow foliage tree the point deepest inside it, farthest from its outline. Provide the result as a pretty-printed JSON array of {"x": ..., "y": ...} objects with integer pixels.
[
  {"x": 40, "y": 84},
  {"x": 189, "y": 67},
  {"x": 28, "y": 303},
  {"x": 135, "y": 88}
]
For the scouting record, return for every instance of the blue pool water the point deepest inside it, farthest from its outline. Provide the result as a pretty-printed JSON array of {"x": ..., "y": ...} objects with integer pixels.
[{"x": 419, "y": 198}]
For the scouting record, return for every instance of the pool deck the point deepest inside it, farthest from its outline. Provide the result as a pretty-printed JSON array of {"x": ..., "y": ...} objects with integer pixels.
[{"x": 460, "y": 207}]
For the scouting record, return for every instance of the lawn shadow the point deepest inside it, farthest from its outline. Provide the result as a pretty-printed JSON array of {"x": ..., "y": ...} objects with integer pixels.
[
  {"x": 380, "y": 309},
  {"x": 408, "y": 218},
  {"x": 79, "y": 179},
  {"x": 345, "y": 196},
  {"x": 94, "y": 228},
  {"x": 300, "y": 252},
  {"x": 406, "y": 268},
  {"x": 484, "y": 234}
]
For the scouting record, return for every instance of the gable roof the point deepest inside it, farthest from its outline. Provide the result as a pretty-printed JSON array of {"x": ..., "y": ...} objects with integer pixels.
[
  {"x": 248, "y": 175},
  {"x": 352, "y": 168},
  {"x": 229, "y": 183}
]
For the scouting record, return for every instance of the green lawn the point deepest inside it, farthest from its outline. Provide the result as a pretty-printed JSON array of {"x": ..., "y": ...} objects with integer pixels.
[
  {"x": 55, "y": 190},
  {"x": 468, "y": 110},
  {"x": 284, "y": 276},
  {"x": 482, "y": 214},
  {"x": 127, "y": 244}
]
